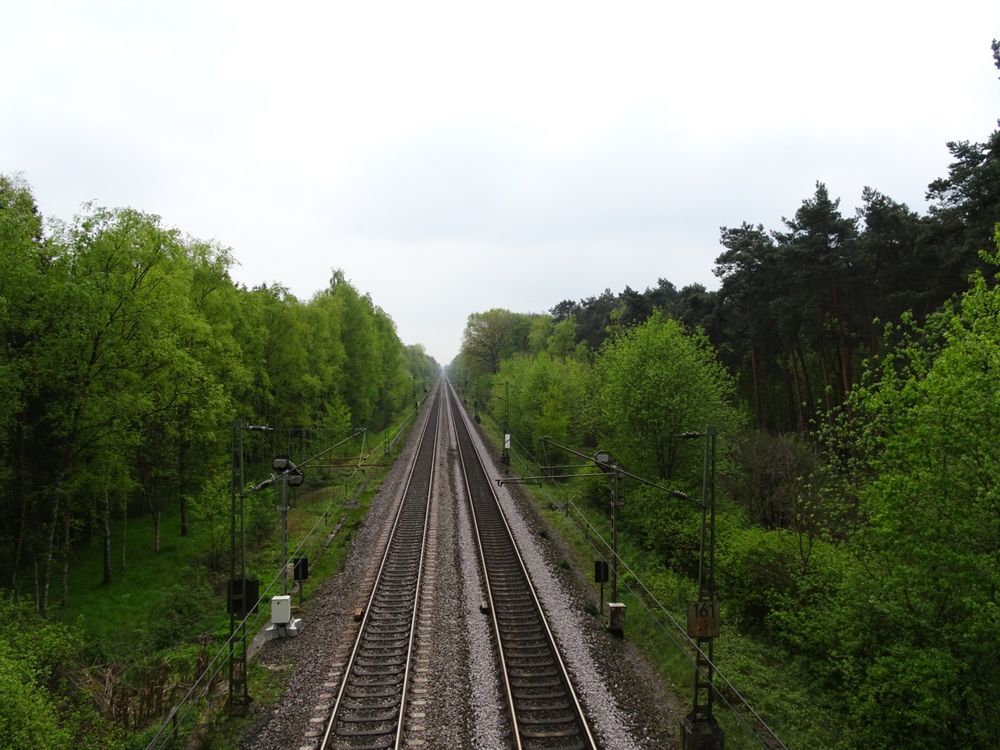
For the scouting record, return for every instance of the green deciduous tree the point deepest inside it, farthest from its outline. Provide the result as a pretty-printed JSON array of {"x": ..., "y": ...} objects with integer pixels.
[
  {"x": 109, "y": 360},
  {"x": 487, "y": 337},
  {"x": 653, "y": 382},
  {"x": 921, "y": 625},
  {"x": 141, "y": 351},
  {"x": 24, "y": 261},
  {"x": 547, "y": 397}
]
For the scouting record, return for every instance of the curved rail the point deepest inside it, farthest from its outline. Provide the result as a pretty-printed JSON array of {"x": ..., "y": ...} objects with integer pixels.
[
  {"x": 368, "y": 711},
  {"x": 545, "y": 711}
]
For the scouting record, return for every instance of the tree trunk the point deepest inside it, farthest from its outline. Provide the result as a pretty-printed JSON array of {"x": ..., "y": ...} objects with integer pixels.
[
  {"x": 124, "y": 530},
  {"x": 181, "y": 474},
  {"x": 845, "y": 363},
  {"x": 43, "y": 603},
  {"x": 799, "y": 418},
  {"x": 789, "y": 393},
  {"x": 810, "y": 400},
  {"x": 23, "y": 523},
  {"x": 156, "y": 529},
  {"x": 19, "y": 544},
  {"x": 826, "y": 379},
  {"x": 37, "y": 581},
  {"x": 64, "y": 600},
  {"x": 106, "y": 534},
  {"x": 756, "y": 387}
]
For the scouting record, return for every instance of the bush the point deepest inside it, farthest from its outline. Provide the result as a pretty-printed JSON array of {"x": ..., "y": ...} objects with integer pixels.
[
  {"x": 766, "y": 476},
  {"x": 771, "y": 587},
  {"x": 908, "y": 699},
  {"x": 670, "y": 528},
  {"x": 182, "y": 610},
  {"x": 42, "y": 704},
  {"x": 758, "y": 575},
  {"x": 27, "y": 716}
]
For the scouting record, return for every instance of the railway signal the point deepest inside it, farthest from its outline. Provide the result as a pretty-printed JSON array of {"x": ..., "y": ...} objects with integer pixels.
[
  {"x": 239, "y": 696},
  {"x": 289, "y": 475},
  {"x": 601, "y": 577},
  {"x": 616, "y": 609},
  {"x": 505, "y": 456}
]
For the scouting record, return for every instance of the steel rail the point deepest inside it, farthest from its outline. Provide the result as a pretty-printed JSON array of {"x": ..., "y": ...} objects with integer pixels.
[
  {"x": 431, "y": 429},
  {"x": 521, "y": 737}
]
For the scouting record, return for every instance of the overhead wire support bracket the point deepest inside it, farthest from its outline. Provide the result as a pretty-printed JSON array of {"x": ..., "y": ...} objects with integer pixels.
[
  {"x": 617, "y": 469},
  {"x": 535, "y": 479}
]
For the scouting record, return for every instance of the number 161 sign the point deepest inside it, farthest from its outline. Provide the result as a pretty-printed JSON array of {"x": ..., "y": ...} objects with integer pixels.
[{"x": 703, "y": 619}]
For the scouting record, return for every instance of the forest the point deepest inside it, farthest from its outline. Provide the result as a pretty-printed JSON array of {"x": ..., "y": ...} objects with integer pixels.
[
  {"x": 126, "y": 353},
  {"x": 851, "y": 363}
]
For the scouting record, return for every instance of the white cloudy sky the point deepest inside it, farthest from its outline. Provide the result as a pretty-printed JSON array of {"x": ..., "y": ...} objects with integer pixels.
[{"x": 457, "y": 156}]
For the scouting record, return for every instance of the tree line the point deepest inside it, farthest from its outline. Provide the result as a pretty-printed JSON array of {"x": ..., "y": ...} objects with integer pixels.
[
  {"x": 127, "y": 351},
  {"x": 852, "y": 363},
  {"x": 800, "y": 308}
]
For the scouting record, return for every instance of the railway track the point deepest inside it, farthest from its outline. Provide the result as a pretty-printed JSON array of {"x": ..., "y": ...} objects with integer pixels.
[
  {"x": 368, "y": 710},
  {"x": 544, "y": 709}
]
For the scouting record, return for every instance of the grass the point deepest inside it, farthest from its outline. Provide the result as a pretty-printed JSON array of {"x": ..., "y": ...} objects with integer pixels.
[
  {"x": 113, "y": 615},
  {"x": 108, "y": 610},
  {"x": 120, "y": 615}
]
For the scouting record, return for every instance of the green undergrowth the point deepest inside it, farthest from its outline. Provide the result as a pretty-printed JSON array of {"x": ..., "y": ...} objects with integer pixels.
[
  {"x": 778, "y": 688},
  {"x": 119, "y": 617},
  {"x": 162, "y": 597}
]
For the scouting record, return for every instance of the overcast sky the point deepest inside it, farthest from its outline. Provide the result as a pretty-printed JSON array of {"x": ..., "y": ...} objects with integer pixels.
[{"x": 453, "y": 157}]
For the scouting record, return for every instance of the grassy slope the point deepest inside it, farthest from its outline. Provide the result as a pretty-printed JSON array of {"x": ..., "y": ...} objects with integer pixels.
[{"x": 114, "y": 614}]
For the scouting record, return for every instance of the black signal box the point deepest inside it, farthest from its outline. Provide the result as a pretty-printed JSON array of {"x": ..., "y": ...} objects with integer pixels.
[
  {"x": 601, "y": 571},
  {"x": 242, "y": 596}
]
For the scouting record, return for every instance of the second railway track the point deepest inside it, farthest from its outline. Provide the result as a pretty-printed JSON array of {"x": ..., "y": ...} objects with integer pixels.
[{"x": 543, "y": 706}]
